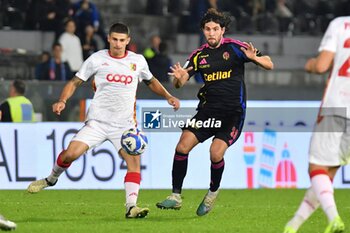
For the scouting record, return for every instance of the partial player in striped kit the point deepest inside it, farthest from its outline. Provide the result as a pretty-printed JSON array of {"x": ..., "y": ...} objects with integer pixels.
[
  {"x": 330, "y": 141},
  {"x": 116, "y": 73}
]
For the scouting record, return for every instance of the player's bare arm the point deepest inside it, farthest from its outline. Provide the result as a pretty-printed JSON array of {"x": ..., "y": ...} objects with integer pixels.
[
  {"x": 180, "y": 74},
  {"x": 67, "y": 92},
  {"x": 320, "y": 64},
  {"x": 159, "y": 89},
  {"x": 264, "y": 61}
]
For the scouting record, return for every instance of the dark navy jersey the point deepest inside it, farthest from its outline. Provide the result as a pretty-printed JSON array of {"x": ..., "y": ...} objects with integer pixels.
[{"x": 222, "y": 71}]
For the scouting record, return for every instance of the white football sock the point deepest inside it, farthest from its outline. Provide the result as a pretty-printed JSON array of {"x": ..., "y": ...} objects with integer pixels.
[
  {"x": 55, "y": 173},
  {"x": 323, "y": 188},
  {"x": 307, "y": 207},
  {"x": 58, "y": 169},
  {"x": 131, "y": 193}
]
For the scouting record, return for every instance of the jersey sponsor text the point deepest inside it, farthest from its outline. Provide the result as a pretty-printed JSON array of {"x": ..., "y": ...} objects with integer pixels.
[
  {"x": 126, "y": 79},
  {"x": 217, "y": 75}
]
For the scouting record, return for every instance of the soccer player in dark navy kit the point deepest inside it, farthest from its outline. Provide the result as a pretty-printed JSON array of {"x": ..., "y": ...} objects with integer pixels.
[{"x": 220, "y": 62}]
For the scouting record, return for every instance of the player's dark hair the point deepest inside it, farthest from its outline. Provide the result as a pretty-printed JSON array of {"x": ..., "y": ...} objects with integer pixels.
[
  {"x": 215, "y": 16},
  {"x": 19, "y": 86},
  {"x": 119, "y": 28}
]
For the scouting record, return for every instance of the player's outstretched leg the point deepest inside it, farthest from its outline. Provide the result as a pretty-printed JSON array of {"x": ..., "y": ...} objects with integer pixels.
[
  {"x": 38, "y": 185},
  {"x": 136, "y": 212},
  {"x": 173, "y": 201},
  {"x": 207, "y": 203},
  {"x": 335, "y": 226},
  {"x": 6, "y": 225}
]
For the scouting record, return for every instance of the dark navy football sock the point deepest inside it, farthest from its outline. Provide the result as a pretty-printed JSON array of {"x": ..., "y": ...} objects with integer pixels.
[
  {"x": 179, "y": 170},
  {"x": 216, "y": 170}
]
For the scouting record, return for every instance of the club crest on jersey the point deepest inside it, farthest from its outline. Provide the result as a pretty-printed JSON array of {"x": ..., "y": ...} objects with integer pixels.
[
  {"x": 226, "y": 56},
  {"x": 133, "y": 66}
]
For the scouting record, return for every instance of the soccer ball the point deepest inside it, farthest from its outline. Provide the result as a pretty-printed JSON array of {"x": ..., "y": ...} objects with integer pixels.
[{"x": 134, "y": 141}]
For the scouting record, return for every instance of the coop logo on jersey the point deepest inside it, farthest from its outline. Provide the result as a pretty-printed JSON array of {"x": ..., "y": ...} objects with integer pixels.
[
  {"x": 133, "y": 66},
  {"x": 152, "y": 119},
  {"x": 226, "y": 56},
  {"x": 119, "y": 78}
]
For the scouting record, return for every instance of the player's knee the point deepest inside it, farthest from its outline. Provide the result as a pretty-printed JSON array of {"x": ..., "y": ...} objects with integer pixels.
[
  {"x": 216, "y": 156},
  {"x": 182, "y": 148},
  {"x": 70, "y": 156}
]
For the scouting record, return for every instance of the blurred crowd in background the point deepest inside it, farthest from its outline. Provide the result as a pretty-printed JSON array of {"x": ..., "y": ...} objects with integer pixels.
[
  {"x": 47, "y": 40},
  {"x": 79, "y": 27},
  {"x": 264, "y": 16}
]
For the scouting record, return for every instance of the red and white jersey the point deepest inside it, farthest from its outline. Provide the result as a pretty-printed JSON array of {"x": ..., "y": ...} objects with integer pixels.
[
  {"x": 337, "y": 94},
  {"x": 116, "y": 81}
]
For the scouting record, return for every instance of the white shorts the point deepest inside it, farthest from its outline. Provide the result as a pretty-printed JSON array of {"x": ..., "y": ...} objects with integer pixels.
[
  {"x": 94, "y": 133},
  {"x": 330, "y": 142}
]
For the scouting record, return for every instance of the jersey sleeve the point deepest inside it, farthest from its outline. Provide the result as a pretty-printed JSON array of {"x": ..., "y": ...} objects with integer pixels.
[
  {"x": 145, "y": 73},
  {"x": 88, "y": 69},
  {"x": 329, "y": 40},
  {"x": 236, "y": 47}
]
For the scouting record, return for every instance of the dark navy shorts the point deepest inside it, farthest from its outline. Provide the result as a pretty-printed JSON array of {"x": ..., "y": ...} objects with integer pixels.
[{"x": 221, "y": 124}]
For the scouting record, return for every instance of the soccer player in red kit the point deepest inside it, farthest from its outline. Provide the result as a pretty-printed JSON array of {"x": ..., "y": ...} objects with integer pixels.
[
  {"x": 116, "y": 73},
  {"x": 330, "y": 141}
]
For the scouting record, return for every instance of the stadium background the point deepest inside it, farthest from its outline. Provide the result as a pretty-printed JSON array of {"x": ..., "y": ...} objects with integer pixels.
[
  {"x": 27, "y": 150},
  {"x": 273, "y": 156},
  {"x": 288, "y": 45},
  {"x": 289, "y": 39}
]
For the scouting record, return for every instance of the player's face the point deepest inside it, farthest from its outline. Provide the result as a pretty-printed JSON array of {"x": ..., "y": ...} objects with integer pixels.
[
  {"x": 118, "y": 43},
  {"x": 213, "y": 33}
]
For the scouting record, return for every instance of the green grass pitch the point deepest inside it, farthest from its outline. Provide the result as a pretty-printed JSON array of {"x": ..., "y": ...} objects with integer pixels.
[{"x": 239, "y": 211}]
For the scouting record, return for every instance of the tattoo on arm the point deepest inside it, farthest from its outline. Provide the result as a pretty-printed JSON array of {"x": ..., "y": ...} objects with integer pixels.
[{"x": 76, "y": 81}]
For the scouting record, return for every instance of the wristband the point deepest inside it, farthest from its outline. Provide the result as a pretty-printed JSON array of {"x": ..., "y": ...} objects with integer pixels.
[{"x": 63, "y": 101}]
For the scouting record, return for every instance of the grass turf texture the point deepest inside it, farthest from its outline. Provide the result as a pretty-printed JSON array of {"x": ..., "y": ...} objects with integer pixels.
[{"x": 244, "y": 211}]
